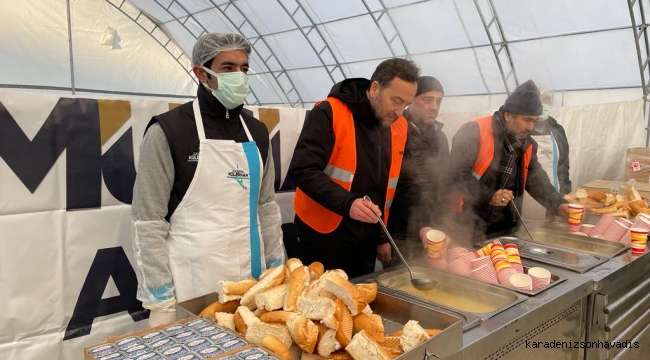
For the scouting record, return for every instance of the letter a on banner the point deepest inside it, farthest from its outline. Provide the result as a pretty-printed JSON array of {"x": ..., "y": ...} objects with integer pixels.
[{"x": 111, "y": 262}]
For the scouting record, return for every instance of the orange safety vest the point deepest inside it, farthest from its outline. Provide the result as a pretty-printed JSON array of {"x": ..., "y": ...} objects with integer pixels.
[
  {"x": 486, "y": 153},
  {"x": 342, "y": 165}
]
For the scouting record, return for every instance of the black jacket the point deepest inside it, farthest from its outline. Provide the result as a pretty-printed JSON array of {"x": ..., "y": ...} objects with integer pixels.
[
  {"x": 563, "y": 148},
  {"x": 313, "y": 151},
  {"x": 422, "y": 195},
  {"x": 180, "y": 130},
  {"x": 477, "y": 192}
]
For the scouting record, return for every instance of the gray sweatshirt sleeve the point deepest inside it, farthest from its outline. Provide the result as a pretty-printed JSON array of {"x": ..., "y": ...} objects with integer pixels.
[
  {"x": 270, "y": 217},
  {"x": 153, "y": 185}
]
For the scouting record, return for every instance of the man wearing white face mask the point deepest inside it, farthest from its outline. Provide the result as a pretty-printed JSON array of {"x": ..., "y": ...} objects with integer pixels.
[
  {"x": 203, "y": 203},
  {"x": 553, "y": 155}
]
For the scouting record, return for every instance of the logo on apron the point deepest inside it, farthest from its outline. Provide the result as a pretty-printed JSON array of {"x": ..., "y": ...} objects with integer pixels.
[
  {"x": 193, "y": 158},
  {"x": 548, "y": 153},
  {"x": 239, "y": 176}
]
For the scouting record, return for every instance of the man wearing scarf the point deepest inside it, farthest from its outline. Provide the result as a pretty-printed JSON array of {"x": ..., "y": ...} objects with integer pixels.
[{"x": 494, "y": 159}]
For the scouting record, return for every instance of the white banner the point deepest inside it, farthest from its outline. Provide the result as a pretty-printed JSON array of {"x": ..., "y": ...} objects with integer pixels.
[{"x": 66, "y": 177}]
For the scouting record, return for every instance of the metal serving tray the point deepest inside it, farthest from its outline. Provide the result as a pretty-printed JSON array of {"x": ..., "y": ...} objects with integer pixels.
[
  {"x": 395, "y": 312},
  {"x": 473, "y": 299},
  {"x": 564, "y": 239},
  {"x": 572, "y": 260}
]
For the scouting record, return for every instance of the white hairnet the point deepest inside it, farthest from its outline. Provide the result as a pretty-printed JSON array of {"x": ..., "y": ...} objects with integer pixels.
[{"x": 210, "y": 45}]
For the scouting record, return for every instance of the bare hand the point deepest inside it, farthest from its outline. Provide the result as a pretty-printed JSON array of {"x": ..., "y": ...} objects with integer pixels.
[
  {"x": 501, "y": 198},
  {"x": 364, "y": 210},
  {"x": 423, "y": 236},
  {"x": 384, "y": 253}
]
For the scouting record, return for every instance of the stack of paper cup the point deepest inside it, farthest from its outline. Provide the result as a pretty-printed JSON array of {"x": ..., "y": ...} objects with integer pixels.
[
  {"x": 455, "y": 252},
  {"x": 641, "y": 222},
  {"x": 480, "y": 262},
  {"x": 500, "y": 261},
  {"x": 540, "y": 276},
  {"x": 521, "y": 281},
  {"x": 435, "y": 242},
  {"x": 615, "y": 231},
  {"x": 587, "y": 228},
  {"x": 485, "y": 273},
  {"x": 639, "y": 236},
  {"x": 575, "y": 216},
  {"x": 626, "y": 222},
  {"x": 439, "y": 263},
  {"x": 484, "y": 251},
  {"x": 462, "y": 264},
  {"x": 504, "y": 275},
  {"x": 602, "y": 225},
  {"x": 513, "y": 257}
]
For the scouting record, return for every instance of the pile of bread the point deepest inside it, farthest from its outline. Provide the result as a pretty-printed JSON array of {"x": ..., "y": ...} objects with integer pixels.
[
  {"x": 627, "y": 206},
  {"x": 304, "y": 312}
]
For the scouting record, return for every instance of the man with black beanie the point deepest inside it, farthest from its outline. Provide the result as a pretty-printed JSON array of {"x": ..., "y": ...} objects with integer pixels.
[
  {"x": 493, "y": 159},
  {"x": 421, "y": 198}
]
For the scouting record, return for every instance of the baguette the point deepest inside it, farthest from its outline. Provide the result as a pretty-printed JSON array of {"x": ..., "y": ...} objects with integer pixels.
[
  {"x": 271, "y": 299},
  {"x": 610, "y": 199},
  {"x": 605, "y": 210},
  {"x": 258, "y": 330},
  {"x": 353, "y": 298},
  {"x": 292, "y": 264},
  {"x": 316, "y": 308},
  {"x": 621, "y": 213},
  {"x": 362, "y": 347},
  {"x": 304, "y": 332},
  {"x": 371, "y": 324},
  {"x": 316, "y": 269},
  {"x": 297, "y": 284},
  {"x": 369, "y": 290},
  {"x": 215, "y": 307},
  {"x": 225, "y": 320},
  {"x": 430, "y": 332},
  {"x": 243, "y": 319},
  {"x": 259, "y": 312},
  {"x": 225, "y": 287},
  {"x": 340, "y": 355},
  {"x": 276, "y": 317},
  {"x": 273, "y": 279},
  {"x": 412, "y": 336},
  {"x": 345, "y": 323},
  {"x": 308, "y": 356},
  {"x": 327, "y": 343},
  {"x": 632, "y": 193},
  {"x": 274, "y": 344},
  {"x": 367, "y": 310},
  {"x": 392, "y": 342},
  {"x": 597, "y": 195}
]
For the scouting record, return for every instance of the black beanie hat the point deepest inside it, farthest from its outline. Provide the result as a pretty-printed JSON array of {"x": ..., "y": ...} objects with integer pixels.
[
  {"x": 524, "y": 100},
  {"x": 428, "y": 83}
]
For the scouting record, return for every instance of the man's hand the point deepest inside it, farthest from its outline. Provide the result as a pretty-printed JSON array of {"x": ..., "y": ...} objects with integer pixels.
[
  {"x": 423, "y": 236},
  {"x": 384, "y": 253},
  {"x": 564, "y": 209},
  {"x": 364, "y": 210},
  {"x": 501, "y": 198}
]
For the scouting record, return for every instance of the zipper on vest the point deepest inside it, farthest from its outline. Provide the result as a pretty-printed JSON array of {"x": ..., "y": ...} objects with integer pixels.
[{"x": 227, "y": 114}]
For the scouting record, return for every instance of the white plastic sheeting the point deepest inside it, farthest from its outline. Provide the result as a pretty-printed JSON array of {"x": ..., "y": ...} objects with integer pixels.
[{"x": 35, "y": 50}]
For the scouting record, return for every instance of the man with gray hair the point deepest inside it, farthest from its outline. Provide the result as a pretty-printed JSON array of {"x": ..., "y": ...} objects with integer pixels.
[{"x": 204, "y": 203}]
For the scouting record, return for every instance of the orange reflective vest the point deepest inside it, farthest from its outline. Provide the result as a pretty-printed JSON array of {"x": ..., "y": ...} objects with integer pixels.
[
  {"x": 342, "y": 165},
  {"x": 486, "y": 153}
]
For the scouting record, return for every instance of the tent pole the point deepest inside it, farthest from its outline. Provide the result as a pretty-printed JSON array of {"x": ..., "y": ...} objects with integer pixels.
[
  {"x": 640, "y": 31},
  {"x": 72, "y": 85}
]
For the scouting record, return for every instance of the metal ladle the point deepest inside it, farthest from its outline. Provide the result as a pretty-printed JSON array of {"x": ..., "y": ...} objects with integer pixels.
[
  {"x": 521, "y": 218},
  {"x": 418, "y": 283}
]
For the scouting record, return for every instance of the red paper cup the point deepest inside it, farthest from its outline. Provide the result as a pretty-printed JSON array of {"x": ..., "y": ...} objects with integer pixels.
[
  {"x": 540, "y": 276},
  {"x": 455, "y": 252},
  {"x": 460, "y": 266},
  {"x": 602, "y": 225},
  {"x": 626, "y": 222},
  {"x": 486, "y": 274},
  {"x": 587, "y": 228},
  {"x": 615, "y": 232},
  {"x": 479, "y": 262},
  {"x": 518, "y": 267},
  {"x": 521, "y": 281},
  {"x": 505, "y": 274}
]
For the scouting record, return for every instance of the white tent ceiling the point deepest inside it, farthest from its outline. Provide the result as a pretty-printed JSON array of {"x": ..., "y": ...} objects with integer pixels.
[{"x": 302, "y": 47}]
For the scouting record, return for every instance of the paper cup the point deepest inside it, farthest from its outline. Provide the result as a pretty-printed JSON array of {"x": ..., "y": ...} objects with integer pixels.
[
  {"x": 540, "y": 276},
  {"x": 455, "y": 252},
  {"x": 479, "y": 262},
  {"x": 460, "y": 266},
  {"x": 615, "y": 231},
  {"x": 435, "y": 243},
  {"x": 521, "y": 281},
  {"x": 587, "y": 228},
  {"x": 518, "y": 268},
  {"x": 575, "y": 215},
  {"x": 603, "y": 224},
  {"x": 485, "y": 273},
  {"x": 628, "y": 224},
  {"x": 638, "y": 239},
  {"x": 504, "y": 276}
]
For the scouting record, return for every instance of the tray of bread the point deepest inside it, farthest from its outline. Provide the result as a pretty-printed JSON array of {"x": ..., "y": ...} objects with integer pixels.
[
  {"x": 304, "y": 312},
  {"x": 626, "y": 205}
]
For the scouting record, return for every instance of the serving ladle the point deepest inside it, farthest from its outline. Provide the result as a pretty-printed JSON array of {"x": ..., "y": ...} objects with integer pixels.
[{"x": 418, "y": 283}]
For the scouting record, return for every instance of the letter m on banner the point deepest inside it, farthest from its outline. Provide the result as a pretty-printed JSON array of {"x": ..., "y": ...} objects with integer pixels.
[{"x": 80, "y": 126}]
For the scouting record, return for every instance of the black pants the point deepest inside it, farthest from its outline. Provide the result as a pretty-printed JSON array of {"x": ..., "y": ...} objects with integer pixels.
[{"x": 355, "y": 257}]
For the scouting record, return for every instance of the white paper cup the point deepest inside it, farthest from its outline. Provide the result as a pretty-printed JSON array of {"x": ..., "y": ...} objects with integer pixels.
[
  {"x": 521, "y": 281},
  {"x": 540, "y": 277}
]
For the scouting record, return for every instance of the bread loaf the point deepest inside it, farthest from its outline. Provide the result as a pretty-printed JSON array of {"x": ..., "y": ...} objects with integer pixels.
[
  {"x": 610, "y": 199},
  {"x": 412, "y": 336},
  {"x": 340, "y": 355},
  {"x": 367, "y": 310},
  {"x": 316, "y": 269},
  {"x": 327, "y": 343},
  {"x": 362, "y": 347},
  {"x": 371, "y": 324},
  {"x": 597, "y": 195},
  {"x": 259, "y": 312},
  {"x": 345, "y": 323},
  {"x": 632, "y": 193},
  {"x": 353, "y": 298},
  {"x": 276, "y": 317},
  {"x": 271, "y": 299},
  {"x": 392, "y": 342},
  {"x": 297, "y": 284},
  {"x": 225, "y": 320},
  {"x": 303, "y": 331},
  {"x": 308, "y": 356},
  {"x": 316, "y": 308},
  {"x": 243, "y": 319},
  {"x": 369, "y": 290},
  {"x": 215, "y": 307},
  {"x": 225, "y": 287},
  {"x": 273, "y": 279},
  {"x": 274, "y": 344},
  {"x": 293, "y": 263},
  {"x": 258, "y": 330}
]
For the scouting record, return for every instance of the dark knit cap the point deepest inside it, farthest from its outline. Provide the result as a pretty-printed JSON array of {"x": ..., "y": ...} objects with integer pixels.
[
  {"x": 428, "y": 83},
  {"x": 524, "y": 100}
]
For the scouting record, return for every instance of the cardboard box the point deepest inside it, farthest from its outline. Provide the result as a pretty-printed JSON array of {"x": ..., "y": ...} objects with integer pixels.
[
  {"x": 637, "y": 165},
  {"x": 137, "y": 337}
]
